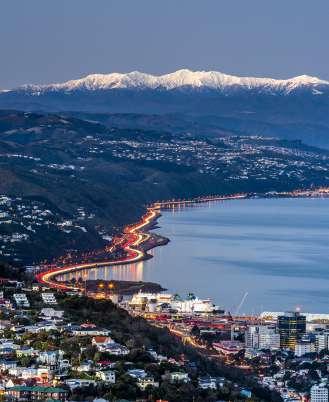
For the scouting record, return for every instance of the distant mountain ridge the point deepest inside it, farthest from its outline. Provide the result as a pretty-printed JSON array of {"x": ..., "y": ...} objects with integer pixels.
[
  {"x": 179, "y": 79},
  {"x": 296, "y": 108}
]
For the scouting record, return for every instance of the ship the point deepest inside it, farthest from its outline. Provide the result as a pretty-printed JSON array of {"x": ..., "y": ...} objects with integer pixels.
[{"x": 165, "y": 301}]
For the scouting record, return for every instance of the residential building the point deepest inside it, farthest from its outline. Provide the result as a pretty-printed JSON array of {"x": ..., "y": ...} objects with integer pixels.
[
  {"x": 143, "y": 383},
  {"x": 7, "y": 364},
  {"x": 228, "y": 347},
  {"x": 137, "y": 373},
  {"x": 107, "y": 376},
  {"x": 101, "y": 341},
  {"x": 304, "y": 347},
  {"x": 21, "y": 300},
  {"x": 36, "y": 393},
  {"x": 179, "y": 376},
  {"x": 319, "y": 393},
  {"x": 48, "y": 298},
  {"x": 262, "y": 337},
  {"x": 73, "y": 383},
  {"x": 86, "y": 367},
  {"x": 207, "y": 383},
  {"x": 49, "y": 313},
  {"x": 50, "y": 357},
  {"x": 322, "y": 341}
]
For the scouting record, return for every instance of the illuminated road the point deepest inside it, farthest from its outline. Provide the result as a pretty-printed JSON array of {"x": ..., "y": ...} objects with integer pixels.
[{"x": 134, "y": 237}]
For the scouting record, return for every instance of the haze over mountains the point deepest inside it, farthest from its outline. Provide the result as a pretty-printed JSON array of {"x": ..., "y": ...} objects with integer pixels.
[{"x": 296, "y": 108}]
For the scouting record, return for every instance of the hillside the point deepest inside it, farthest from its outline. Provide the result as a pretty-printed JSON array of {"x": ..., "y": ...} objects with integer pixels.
[{"x": 66, "y": 183}]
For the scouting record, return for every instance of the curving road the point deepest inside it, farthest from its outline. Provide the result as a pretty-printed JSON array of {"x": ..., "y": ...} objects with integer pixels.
[{"x": 134, "y": 237}]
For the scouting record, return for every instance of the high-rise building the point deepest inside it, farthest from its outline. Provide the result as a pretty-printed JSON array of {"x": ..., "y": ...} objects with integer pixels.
[
  {"x": 304, "y": 347},
  {"x": 291, "y": 325},
  {"x": 262, "y": 337},
  {"x": 319, "y": 393},
  {"x": 322, "y": 341}
]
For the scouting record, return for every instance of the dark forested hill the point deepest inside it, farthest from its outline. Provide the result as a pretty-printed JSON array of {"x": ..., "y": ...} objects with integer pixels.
[{"x": 67, "y": 182}]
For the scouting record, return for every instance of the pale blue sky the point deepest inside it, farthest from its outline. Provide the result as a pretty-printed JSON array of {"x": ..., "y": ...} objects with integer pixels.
[{"x": 46, "y": 41}]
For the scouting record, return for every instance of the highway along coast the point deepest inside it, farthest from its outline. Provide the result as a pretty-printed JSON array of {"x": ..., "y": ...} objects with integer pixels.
[
  {"x": 132, "y": 240},
  {"x": 135, "y": 240}
]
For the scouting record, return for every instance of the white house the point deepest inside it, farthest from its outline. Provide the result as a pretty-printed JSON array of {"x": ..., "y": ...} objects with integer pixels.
[
  {"x": 85, "y": 367},
  {"x": 48, "y": 298},
  {"x": 116, "y": 349},
  {"x": 50, "y": 357},
  {"x": 304, "y": 347},
  {"x": 7, "y": 364},
  {"x": 73, "y": 383},
  {"x": 179, "y": 376},
  {"x": 207, "y": 383},
  {"x": 21, "y": 300},
  {"x": 106, "y": 376},
  {"x": 49, "y": 313},
  {"x": 142, "y": 383}
]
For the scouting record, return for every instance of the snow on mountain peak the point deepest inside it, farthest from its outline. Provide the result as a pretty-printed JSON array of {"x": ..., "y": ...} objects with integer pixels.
[{"x": 178, "y": 79}]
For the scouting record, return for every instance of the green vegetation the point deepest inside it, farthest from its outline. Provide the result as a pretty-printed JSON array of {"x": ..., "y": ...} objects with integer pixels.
[{"x": 139, "y": 336}]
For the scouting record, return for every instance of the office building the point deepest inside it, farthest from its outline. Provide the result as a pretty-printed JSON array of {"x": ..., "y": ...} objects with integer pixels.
[{"x": 291, "y": 326}]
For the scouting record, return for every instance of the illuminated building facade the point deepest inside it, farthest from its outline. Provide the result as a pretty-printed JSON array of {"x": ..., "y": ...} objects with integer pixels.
[{"x": 291, "y": 325}]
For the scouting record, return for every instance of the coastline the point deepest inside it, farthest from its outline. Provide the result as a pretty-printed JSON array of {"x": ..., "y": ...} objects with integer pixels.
[{"x": 136, "y": 239}]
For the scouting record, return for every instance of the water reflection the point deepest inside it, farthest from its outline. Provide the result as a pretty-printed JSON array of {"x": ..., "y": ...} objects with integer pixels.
[
  {"x": 275, "y": 249},
  {"x": 126, "y": 272}
]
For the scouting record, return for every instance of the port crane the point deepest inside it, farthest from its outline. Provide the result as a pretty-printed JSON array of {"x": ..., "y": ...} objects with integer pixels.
[{"x": 241, "y": 303}]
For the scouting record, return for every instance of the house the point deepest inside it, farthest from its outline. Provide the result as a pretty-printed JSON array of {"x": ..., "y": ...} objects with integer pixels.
[
  {"x": 105, "y": 364},
  {"x": 21, "y": 300},
  {"x": 41, "y": 374},
  {"x": 207, "y": 383},
  {"x": 85, "y": 367},
  {"x": 36, "y": 393},
  {"x": 7, "y": 344},
  {"x": 115, "y": 349},
  {"x": 64, "y": 364},
  {"x": 83, "y": 331},
  {"x": 106, "y": 376},
  {"x": 40, "y": 327},
  {"x": 48, "y": 313},
  {"x": 246, "y": 393},
  {"x": 142, "y": 383},
  {"x": 50, "y": 357},
  {"x": 12, "y": 382},
  {"x": 48, "y": 298},
  {"x": 228, "y": 347},
  {"x": 137, "y": 373},
  {"x": 26, "y": 351},
  {"x": 7, "y": 364},
  {"x": 6, "y": 352},
  {"x": 101, "y": 341},
  {"x": 73, "y": 383},
  {"x": 178, "y": 376}
]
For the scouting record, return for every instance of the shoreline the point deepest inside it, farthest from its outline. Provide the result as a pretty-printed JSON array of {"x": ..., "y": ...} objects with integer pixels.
[{"x": 136, "y": 237}]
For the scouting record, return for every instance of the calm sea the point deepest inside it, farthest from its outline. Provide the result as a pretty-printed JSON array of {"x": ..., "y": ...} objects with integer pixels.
[{"x": 275, "y": 250}]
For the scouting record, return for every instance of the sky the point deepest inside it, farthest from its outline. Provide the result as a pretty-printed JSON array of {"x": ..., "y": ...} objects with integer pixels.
[{"x": 53, "y": 41}]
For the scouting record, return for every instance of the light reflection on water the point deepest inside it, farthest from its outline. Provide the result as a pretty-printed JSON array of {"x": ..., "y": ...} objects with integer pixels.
[
  {"x": 127, "y": 272},
  {"x": 275, "y": 249}
]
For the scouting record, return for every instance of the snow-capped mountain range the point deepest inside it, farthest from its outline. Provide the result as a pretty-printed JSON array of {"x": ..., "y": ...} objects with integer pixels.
[
  {"x": 178, "y": 80},
  {"x": 296, "y": 108}
]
